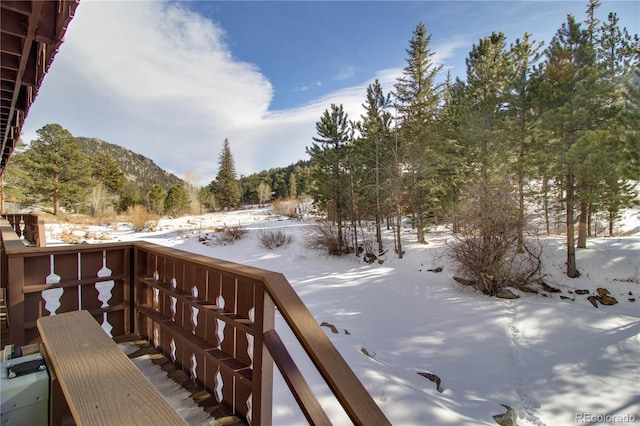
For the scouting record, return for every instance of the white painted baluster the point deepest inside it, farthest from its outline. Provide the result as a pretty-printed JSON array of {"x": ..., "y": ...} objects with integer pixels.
[
  {"x": 194, "y": 311},
  {"x": 21, "y": 228},
  {"x": 52, "y": 296},
  {"x": 252, "y": 314},
  {"x": 156, "y": 298},
  {"x": 156, "y": 336},
  {"x": 217, "y": 391},
  {"x": 249, "y": 415},
  {"x": 194, "y": 364},
  {"x": 104, "y": 292},
  {"x": 174, "y": 301},
  {"x": 219, "y": 323},
  {"x": 172, "y": 345}
]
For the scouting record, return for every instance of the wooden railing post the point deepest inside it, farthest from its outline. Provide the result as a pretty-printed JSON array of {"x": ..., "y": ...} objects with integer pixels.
[
  {"x": 263, "y": 362},
  {"x": 15, "y": 297},
  {"x": 40, "y": 236}
]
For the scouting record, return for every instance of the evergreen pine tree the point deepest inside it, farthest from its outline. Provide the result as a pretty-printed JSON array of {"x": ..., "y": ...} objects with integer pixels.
[
  {"x": 156, "y": 199},
  {"x": 376, "y": 151},
  {"x": 328, "y": 162},
  {"x": 226, "y": 187},
  {"x": 177, "y": 201},
  {"x": 523, "y": 117},
  {"x": 59, "y": 171},
  {"x": 416, "y": 99},
  {"x": 488, "y": 72},
  {"x": 570, "y": 71}
]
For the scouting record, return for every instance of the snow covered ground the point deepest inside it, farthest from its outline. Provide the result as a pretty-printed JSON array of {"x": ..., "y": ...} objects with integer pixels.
[{"x": 555, "y": 361}]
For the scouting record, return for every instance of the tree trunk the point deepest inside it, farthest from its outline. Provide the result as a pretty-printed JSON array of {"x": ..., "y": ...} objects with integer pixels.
[
  {"x": 572, "y": 271},
  {"x": 418, "y": 214},
  {"x": 354, "y": 216},
  {"x": 582, "y": 225},
  {"x": 399, "y": 233},
  {"x": 520, "y": 243},
  {"x": 611, "y": 220},
  {"x": 378, "y": 219},
  {"x": 545, "y": 204}
]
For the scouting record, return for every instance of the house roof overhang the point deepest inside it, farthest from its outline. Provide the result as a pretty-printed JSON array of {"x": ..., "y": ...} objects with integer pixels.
[{"x": 31, "y": 32}]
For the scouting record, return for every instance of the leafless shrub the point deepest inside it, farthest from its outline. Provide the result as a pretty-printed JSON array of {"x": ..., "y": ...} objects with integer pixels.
[
  {"x": 229, "y": 234},
  {"x": 288, "y": 207},
  {"x": 274, "y": 238},
  {"x": 323, "y": 235},
  {"x": 485, "y": 248},
  {"x": 367, "y": 245},
  {"x": 233, "y": 233},
  {"x": 140, "y": 218}
]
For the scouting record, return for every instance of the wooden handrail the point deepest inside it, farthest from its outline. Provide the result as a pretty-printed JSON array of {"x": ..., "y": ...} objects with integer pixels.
[
  {"x": 299, "y": 387},
  {"x": 342, "y": 381},
  {"x": 272, "y": 290}
]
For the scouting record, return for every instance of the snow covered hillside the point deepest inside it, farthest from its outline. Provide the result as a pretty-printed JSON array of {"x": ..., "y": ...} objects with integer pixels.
[{"x": 554, "y": 357}]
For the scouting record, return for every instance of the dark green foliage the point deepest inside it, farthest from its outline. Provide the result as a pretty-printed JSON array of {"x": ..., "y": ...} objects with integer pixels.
[
  {"x": 328, "y": 156},
  {"x": 417, "y": 97},
  {"x": 226, "y": 187},
  {"x": 16, "y": 179},
  {"x": 375, "y": 163},
  {"x": 177, "y": 202},
  {"x": 60, "y": 173},
  {"x": 157, "y": 197},
  {"x": 105, "y": 169}
]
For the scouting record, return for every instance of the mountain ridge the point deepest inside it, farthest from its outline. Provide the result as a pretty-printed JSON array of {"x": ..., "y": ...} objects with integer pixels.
[{"x": 136, "y": 167}]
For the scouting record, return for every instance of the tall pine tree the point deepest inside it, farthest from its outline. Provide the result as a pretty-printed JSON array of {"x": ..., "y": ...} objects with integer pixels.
[
  {"x": 572, "y": 78},
  {"x": 226, "y": 187},
  {"x": 60, "y": 172},
  {"x": 376, "y": 150},
  {"x": 417, "y": 97},
  {"x": 328, "y": 162}
]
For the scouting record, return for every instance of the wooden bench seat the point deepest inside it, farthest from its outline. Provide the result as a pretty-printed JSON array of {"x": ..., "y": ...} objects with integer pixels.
[{"x": 100, "y": 383}]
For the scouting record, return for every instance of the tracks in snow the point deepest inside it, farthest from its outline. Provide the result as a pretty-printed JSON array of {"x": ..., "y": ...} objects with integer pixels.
[{"x": 529, "y": 403}]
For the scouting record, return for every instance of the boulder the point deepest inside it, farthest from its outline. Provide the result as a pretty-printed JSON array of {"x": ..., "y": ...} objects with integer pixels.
[
  {"x": 370, "y": 258},
  {"x": 435, "y": 379},
  {"x": 332, "y": 327},
  {"x": 593, "y": 301},
  {"x": 503, "y": 293},
  {"x": 510, "y": 418},
  {"x": 582, "y": 291},
  {"x": 602, "y": 291},
  {"x": 607, "y": 300}
]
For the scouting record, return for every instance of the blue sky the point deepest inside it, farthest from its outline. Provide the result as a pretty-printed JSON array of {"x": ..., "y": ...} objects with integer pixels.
[{"x": 172, "y": 80}]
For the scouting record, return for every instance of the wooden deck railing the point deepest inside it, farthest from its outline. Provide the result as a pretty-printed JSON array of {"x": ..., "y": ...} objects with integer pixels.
[
  {"x": 29, "y": 227},
  {"x": 214, "y": 319}
]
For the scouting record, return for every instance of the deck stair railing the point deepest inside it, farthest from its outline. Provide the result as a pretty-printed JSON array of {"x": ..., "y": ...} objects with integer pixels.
[{"x": 214, "y": 319}]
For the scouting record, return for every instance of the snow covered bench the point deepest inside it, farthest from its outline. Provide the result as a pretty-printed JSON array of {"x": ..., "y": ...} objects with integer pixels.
[{"x": 100, "y": 383}]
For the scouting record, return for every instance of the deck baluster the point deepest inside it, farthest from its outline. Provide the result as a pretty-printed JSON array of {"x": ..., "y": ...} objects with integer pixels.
[{"x": 52, "y": 296}]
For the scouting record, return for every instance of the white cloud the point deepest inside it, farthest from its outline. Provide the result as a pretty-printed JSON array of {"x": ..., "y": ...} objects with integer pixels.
[{"x": 160, "y": 80}]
